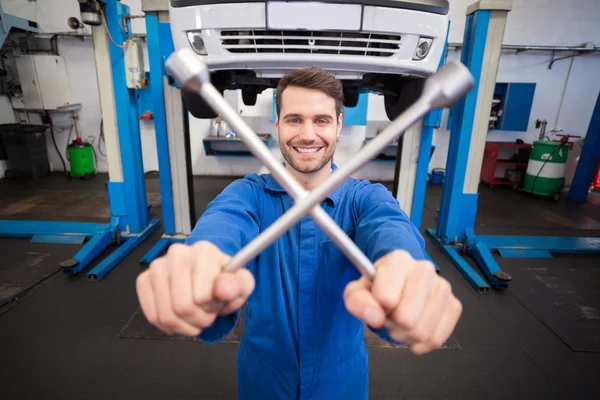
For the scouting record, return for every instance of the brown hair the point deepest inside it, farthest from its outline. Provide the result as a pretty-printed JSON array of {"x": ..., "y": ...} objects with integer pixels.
[{"x": 312, "y": 78}]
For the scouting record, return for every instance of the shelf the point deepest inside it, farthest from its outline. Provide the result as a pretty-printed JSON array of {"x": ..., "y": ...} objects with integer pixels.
[
  {"x": 263, "y": 136},
  {"x": 383, "y": 160},
  {"x": 388, "y": 154},
  {"x": 495, "y": 146},
  {"x": 513, "y": 163},
  {"x": 517, "y": 162},
  {"x": 499, "y": 182},
  {"x": 232, "y": 146}
]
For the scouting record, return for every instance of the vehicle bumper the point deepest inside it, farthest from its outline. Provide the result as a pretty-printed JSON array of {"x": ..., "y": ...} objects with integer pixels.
[
  {"x": 431, "y": 6},
  {"x": 409, "y": 24},
  {"x": 343, "y": 67}
]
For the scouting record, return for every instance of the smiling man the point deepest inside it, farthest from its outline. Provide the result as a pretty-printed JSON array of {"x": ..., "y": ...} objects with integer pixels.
[
  {"x": 306, "y": 305},
  {"x": 309, "y": 124}
]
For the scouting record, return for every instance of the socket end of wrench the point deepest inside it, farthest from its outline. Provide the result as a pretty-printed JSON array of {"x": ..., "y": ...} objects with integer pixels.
[
  {"x": 448, "y": 85},
  {"x": 187, "y": 69}
]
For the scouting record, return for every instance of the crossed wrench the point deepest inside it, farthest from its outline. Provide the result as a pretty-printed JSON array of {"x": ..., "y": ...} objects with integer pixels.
[{"x": 442, "y": 89}]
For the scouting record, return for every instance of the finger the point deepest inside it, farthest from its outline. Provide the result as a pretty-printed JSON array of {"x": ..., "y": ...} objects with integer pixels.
[
  {"x": 432, "y": 312},
  {"x": 417, "y": 286},
  {"x": 208, "y": 261},
  {"x": 146, "y": 297},
  {"x": 229, "y": 286},
  {"x": 399, "y": 335},
  {"x": 180, "y": 262},
  {"x": 167, "y": 321},
  {"x": 443, "y": 330},
  {"x": 361, "y": 303},
  {"x": 233, "y": 306},
  {"x": 389, "y": 278},
  {"x": 246, "y": 284}
]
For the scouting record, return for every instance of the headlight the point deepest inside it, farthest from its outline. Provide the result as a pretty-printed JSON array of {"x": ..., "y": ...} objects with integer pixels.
[
  {"x": 197, "y": 43},
  {"x": 422, "y": 49}
]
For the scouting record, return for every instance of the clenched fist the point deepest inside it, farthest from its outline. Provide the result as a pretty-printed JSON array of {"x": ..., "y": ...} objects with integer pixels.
[
  {"x": 407, "y": 297},
  {"x": 185, "y": 290}
]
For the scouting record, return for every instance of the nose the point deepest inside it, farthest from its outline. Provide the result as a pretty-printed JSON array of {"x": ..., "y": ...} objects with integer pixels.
[{"x": 308, "y": 132}]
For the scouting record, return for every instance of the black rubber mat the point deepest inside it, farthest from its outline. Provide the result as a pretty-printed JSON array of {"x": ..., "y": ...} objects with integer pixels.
[
  {"x": 563, "y": 294},
  {"x": 74, "y": 339},
  {"x": 138, "y": 328},
  {"x": 26, "y": 265}
]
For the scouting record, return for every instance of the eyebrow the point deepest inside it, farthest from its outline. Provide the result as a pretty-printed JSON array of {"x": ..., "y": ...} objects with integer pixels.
[{"x": 316, "y": 116}]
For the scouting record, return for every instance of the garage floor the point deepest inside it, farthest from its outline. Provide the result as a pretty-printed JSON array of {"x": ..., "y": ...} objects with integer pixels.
[{"x": 65, "y": 337}]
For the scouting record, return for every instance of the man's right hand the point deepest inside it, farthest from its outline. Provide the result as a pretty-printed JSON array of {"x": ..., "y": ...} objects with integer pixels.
[{"x": 184, "y": 291}]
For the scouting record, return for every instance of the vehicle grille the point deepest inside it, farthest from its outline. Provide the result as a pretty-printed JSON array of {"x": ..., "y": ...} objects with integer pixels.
[{"x": 310, "y": 42}]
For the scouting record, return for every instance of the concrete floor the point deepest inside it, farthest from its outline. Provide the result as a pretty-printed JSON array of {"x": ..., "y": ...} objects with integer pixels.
[{"x": 64, "y": 337}]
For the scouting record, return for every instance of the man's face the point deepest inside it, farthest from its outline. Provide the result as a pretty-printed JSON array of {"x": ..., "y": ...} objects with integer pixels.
[{"x": 308, "y": 128}]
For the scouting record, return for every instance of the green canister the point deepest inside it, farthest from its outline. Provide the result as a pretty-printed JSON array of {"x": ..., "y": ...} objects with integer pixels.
[{"x": 81, "y": 158}]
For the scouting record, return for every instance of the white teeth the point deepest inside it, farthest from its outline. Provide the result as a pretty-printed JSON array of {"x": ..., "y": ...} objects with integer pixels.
[{"x": 301, "y": 150}]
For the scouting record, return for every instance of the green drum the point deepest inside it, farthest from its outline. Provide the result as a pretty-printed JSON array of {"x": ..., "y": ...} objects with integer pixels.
[{"x": 546, "y": 168}]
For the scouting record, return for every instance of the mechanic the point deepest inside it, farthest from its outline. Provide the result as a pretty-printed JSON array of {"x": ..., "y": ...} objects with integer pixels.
[{"x": 306, "y": 305}]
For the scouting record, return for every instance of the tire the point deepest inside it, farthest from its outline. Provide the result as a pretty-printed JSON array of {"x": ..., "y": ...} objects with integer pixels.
[
  {"x": 351, "y": 98},
  {"x": 249, "y": 97},
  {"x": 408, "y": 91},
  {"x": 197, "y": 106}
]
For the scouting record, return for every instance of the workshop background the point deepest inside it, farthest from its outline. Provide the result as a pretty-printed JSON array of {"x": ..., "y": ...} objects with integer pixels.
[
  {"x": 564, "y": 95},
  {"x": 523, "y": 262}
]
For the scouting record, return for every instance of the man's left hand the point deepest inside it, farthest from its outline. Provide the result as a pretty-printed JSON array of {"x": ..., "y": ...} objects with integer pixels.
[{"x": 407, "y": 297}]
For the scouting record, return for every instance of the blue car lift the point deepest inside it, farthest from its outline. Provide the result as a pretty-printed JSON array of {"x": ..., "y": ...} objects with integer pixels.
[
  {"x": 129, "y": 224},
  {"x": 431, "y": 122},
  {"x": 455, "y": 234},
  {"x": 173, "y": 178},
  {"x": 588, "y": 160}
]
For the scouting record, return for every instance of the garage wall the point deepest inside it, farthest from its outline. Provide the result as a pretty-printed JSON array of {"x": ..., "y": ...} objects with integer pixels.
[
  {"x": 52, "y": 15},
  {"x": 539, "y": 22},
  {"x": 575, "y": 77},
  {"x": 79, "y": 59},
  {"x": 532, "y": 22},
  {"x": 78, "y": 52}
]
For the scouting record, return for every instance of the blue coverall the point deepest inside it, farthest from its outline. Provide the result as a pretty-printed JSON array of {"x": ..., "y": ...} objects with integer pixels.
[{"x": 300, "y": 342}]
